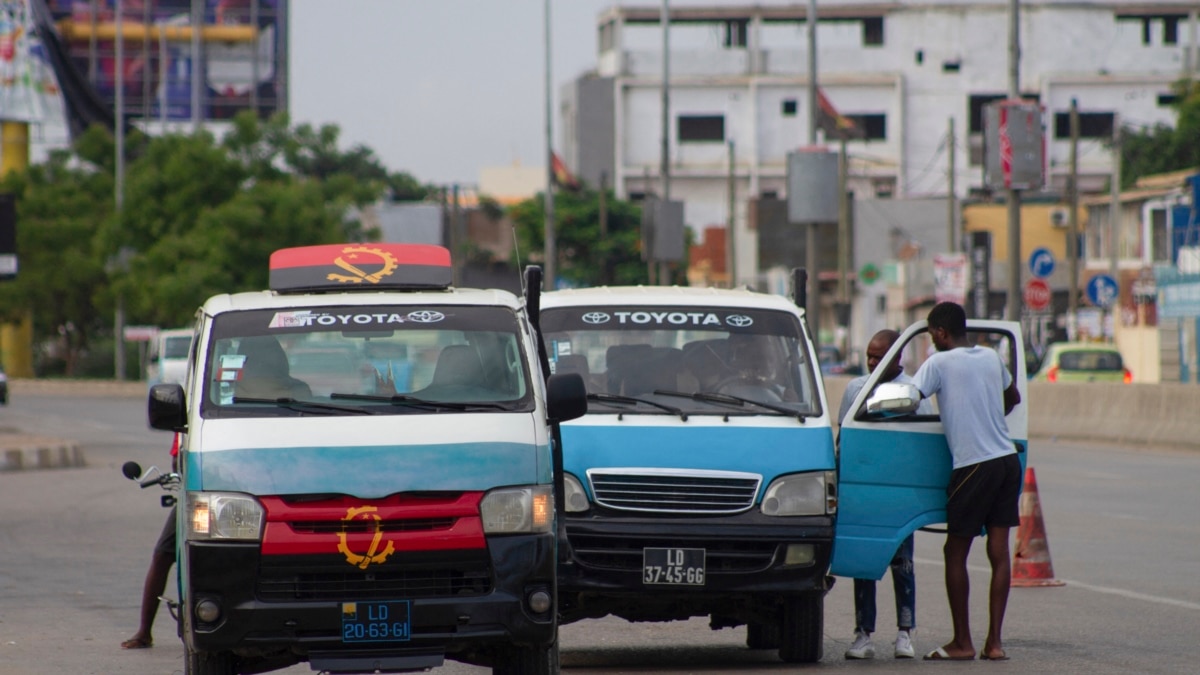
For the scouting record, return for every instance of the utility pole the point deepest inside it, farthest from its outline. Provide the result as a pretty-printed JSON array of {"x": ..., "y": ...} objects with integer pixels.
[
  {"x": 813, "y": 300},
  {"x": 731, "y": 223},
  {"x": 665, "y": 168},
  {"x": 119, "y": 181},
  {"x": 1073, "y": 225},
  {"x": 548, "y": 227},
  {"x": 1014, "y": 196},
  {"x": 606, "y": 266},
  {"x": 843, "y": 262},
  {"x": 196, "y": 68},
  {"x": 951, "y": 194},
  {"x": 1114, "y": 220}
]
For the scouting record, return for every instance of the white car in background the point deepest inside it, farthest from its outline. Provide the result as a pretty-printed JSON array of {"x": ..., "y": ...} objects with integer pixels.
[{"x": 169, "y": 356}]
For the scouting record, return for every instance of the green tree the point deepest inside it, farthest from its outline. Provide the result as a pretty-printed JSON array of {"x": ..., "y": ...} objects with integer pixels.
[
  {"x": 585, "y": 256},
  {"x": 199, "y": 217},
  {"x": 59, "y": 203},
  {"x": 1165, "y": 148}
]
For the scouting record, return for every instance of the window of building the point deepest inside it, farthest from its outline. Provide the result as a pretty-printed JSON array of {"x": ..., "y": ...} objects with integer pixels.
[
  {"x": 789, "y": 107},
  {"x": 1151, "y": 22},
  {"x": 1160, "y": 236},
  {"x": 1170, "y": 30},
  {"x": 735, "y": 32},
  {"x": 872, "y": 31},
  {"x": 701, "y": 128},
  {"x": 637, "y": 196},
  {"x": 920, "y": 56},
  {"x": 872, "y": 126},
  {"x": 976, "y": 104},
  {"x": 951, "y": 66},
  {"x": 1167, "y": 99},
  {"x": 1091, "y": 125}
]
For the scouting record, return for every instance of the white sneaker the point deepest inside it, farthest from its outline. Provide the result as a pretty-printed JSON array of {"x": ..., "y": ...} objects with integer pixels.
[
  {"x": 862, "y": 647},
  {"x": 904, "y": 646}
]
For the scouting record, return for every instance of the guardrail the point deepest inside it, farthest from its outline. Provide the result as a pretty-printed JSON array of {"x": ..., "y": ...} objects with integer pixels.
[
  {"x": 1136, "y": 414},
  {"x": 1165, "y": 414}
]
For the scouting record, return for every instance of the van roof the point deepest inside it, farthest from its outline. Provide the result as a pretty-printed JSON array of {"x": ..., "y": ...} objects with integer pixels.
[
  {"x": 271, "y": 299},
  {"x": 667, "y": 295}
]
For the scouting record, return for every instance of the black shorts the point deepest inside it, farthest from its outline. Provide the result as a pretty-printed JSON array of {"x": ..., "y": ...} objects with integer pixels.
[
  {"x": 984, "y": 495},
  {"x": 166, "y": 540}
]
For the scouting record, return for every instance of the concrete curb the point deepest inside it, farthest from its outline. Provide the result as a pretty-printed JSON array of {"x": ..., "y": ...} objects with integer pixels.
[
  {"x": 134, "y": 389},
  {"x": 40, "y": 453}
]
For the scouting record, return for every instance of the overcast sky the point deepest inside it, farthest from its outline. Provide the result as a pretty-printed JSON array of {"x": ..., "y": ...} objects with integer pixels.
[{"x": 438, "y": 88}]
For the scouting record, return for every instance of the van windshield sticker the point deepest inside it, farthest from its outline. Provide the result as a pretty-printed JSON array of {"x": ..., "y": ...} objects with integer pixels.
[{"x": 733, "y": 320}]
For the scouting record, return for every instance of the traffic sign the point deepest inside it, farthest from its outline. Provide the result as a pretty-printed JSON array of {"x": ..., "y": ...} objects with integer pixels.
[
  {"x": 1041, "y": 262},
  {"x": 1102, "y": 290},
  {"x": 869, "y": 273},
  {"x": 1037, "y": 295}
]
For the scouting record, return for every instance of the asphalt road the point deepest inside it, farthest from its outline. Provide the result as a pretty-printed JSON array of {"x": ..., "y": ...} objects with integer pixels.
[{"x": 1120, "y": 522}]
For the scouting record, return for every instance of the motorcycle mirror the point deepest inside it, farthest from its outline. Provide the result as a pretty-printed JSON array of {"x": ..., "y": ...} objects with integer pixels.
[{"x": 131, "y": 470}]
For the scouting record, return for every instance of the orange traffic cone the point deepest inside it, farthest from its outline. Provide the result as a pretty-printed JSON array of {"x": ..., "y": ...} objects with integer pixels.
[{"x": 1031, "y": 561}]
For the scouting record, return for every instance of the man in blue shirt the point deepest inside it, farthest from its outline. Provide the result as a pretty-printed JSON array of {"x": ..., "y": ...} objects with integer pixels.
[
  {"x": 975, "y": 392},
  {"x": 903, "y": 579}
]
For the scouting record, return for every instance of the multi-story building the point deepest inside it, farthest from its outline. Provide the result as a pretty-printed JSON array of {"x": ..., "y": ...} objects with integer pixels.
[{"x": 905, "y": 72}]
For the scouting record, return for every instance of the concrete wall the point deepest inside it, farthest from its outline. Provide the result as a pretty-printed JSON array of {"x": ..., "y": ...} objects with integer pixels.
[{"x": 1130, "y": 414}]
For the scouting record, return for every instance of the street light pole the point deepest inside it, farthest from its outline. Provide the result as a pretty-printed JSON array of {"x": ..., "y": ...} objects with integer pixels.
[
  {"x": 548, "y": 227},
  {"x": 119, "y": 181},
  {"x": 813, "y": 305},
  {"x": 1013, "y": 305},
  {"x": 665, "y": 159}
]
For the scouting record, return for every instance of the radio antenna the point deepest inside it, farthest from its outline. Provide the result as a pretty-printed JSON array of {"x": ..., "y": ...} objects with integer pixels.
[{"x": 517, "y": 252}]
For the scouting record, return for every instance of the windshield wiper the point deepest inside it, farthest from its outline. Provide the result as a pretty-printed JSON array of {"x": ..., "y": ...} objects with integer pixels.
[
  {"x": 730, "y": 399},
  {"x": 414, "y": 402},
  {"x": 298, "y": 405},
  {"x": 633, "y": 400}
]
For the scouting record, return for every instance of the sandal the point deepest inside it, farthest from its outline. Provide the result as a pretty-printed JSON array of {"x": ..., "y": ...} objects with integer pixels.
[{"x": 137, "y": 643}]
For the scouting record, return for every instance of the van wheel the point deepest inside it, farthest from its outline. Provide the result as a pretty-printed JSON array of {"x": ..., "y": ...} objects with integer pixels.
[
  {"x": 523, "y": 660},
  {"x": 803, "y": 628},
  {"x": 762, "y": 635},
  {"x": 208, "y": 663}
]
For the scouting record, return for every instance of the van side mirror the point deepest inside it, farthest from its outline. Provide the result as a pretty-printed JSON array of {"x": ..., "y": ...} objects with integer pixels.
[
  {"x": 566, "y": 397},
  {"x": 894, "y": 398},
  {"x": 166, "y": 408}
]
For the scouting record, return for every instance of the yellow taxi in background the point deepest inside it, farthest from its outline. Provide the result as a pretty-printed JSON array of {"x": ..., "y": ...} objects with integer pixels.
[{"x": 1082, "y": 362}]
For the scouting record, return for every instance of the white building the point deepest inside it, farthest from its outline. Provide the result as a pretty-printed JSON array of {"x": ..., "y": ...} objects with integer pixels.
[{"x": 902, "y": 70}]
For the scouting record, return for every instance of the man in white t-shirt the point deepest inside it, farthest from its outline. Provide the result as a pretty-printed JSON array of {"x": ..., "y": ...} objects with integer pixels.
[
  {"x": 975, "y": 392},
  {"x": 904, "y": 582}
]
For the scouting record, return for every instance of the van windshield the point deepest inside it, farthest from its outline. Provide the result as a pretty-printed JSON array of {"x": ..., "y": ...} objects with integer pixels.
[
  {"x": 176, "y": 347},
  {"x": 715, "y": 355},
  {"x": 380, "y": 360}
]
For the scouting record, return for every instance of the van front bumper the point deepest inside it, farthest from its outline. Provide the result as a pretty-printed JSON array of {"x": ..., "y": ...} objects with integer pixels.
[
  {"x": 745, "y": 563},
  {"x": 461, "y": 602}
]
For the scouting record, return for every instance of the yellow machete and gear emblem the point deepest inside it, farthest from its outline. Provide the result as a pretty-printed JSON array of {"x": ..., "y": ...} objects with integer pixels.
[
  {"x": 350, "y": 261},
  {"x": 373, "y": 555}
]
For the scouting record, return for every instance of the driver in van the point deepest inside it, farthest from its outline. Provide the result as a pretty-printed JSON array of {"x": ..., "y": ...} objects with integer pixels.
[{"x": 754, "y": 370}]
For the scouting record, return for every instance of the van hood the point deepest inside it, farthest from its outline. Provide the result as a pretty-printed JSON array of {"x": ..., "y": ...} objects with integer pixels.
[{"x": 368, "y": 458}]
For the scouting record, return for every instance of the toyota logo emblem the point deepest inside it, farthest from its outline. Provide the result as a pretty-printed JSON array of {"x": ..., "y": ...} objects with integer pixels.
[
  {"x": 426, "y": 316},
  {"x": 738, "y": 320},
  {"x": 596, "y": 317}
]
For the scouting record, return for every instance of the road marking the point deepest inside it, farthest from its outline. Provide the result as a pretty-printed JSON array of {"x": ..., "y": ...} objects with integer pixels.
[{"x": 1132, "y": 595}]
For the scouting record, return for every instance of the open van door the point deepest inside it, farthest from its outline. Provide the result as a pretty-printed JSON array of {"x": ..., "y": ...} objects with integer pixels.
[{"x": 893, "y": 469}]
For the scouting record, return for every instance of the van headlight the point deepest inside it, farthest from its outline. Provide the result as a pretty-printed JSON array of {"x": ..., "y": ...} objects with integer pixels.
[
  {"x": 575, "y": 498},
  {"x": 802, "y": 494},
  {"x": 518, "y": 510},
  {"x": 224, "y": 515}
]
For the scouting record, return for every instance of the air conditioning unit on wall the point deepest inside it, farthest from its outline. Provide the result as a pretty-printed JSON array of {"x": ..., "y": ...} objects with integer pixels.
[{"x": 1060, "y": 217}]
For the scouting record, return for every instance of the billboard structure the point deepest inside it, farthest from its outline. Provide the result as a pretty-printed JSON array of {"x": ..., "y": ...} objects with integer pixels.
[
  {"x": 239, "y": 56},
  {"x": 1014, "y": 145}
]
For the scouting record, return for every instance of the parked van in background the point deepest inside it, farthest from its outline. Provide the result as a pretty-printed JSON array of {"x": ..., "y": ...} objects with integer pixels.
[{"x": 169, "y": 356}]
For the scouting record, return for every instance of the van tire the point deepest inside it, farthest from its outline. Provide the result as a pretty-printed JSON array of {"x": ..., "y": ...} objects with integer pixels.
[
  {"x": 525, "y": 660},
  {"x": 802, "y": 628},
  {"x": 762, "y": 635},
  {"x": 208, "y": 663}
]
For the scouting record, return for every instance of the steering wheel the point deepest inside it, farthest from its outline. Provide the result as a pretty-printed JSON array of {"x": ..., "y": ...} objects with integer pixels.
[{"x": 749, "y": 387}]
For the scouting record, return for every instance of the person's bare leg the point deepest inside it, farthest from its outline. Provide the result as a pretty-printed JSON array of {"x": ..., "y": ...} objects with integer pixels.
[
  {"x": 958, "y": 592},
  {"x": 152, "y": 588},
  {"x": 997, "y": 550}
]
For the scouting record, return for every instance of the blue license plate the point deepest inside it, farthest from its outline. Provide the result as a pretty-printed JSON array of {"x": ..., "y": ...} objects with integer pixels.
[{"x": 376, "y": 621}]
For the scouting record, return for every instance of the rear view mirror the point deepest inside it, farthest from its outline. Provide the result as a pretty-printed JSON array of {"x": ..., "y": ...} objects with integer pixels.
[
  {"x": 894, "y": 397},
  {"x": 166, "y": 408},
  {"x": 566, "y": 397}
]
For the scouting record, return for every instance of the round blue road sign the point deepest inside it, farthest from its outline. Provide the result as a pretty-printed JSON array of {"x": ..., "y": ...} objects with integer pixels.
[
  {"x": 1102, "y": 290},
  {"x": 1041, "y": 262}
]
